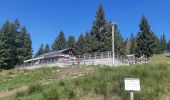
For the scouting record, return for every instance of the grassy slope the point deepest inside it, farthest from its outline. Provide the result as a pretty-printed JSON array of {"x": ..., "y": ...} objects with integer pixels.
[
  {"x": 102, "y": 82},
  {"x": 163, "y": 58}
]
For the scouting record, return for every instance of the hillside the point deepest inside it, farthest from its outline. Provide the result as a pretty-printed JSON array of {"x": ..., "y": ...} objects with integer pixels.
[{"x": 85, "y": 83}]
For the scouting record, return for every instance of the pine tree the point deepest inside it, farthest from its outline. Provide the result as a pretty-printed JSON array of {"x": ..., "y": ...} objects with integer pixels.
[
  {"x": 8, "y": 53},
  {"x": 99, "y": 23},
  {"x": 60, "y": 42},
  {"x": 12, "y": 45},
  {"x": 163, "y": 43},
  {"x": 80, "y": 45},
  {"x": 118, "y": 42},
  {"x": 40, "y": 51},
  {"x": 157, "y": 47},
  {"x": 27, "y": 43},
  {"x": 90, "y": 43},
  {"x": 127, "y": 46},
  {"x": 106, "y": 38},
  {"x": 145, "y": 40},
  {"x": 47, "y": 49},
  {"x": 168, "y": 46},
  {"x": 2, "y": 50},
  {"x": 71, "y": 42},
  {"x": 132, "y": 44},
  {"x": 19, "y": 42}
]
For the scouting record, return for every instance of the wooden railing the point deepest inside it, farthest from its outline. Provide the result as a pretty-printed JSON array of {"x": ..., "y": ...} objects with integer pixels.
[{"x": 88, "y": 58}]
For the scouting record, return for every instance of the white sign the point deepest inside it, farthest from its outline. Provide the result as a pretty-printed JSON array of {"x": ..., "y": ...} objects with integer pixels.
[{"x": 132, "y": 84}]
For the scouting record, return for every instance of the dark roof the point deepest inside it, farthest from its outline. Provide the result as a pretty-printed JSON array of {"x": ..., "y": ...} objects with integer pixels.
[{"x": 56, "y": 52}]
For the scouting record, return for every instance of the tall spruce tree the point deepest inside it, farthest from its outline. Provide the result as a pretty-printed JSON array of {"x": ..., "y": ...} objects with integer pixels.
[
  {"x": 163, "y": 43},
  {"x": 60, "y": 42},
  {"x": 47, "y": 48},
  {"x": 106, "y": 38},
  {"x": 118, "y": 42},
  {"x": 132, "y": 44},
  {"x": 157, "y": 46},
  {"x": 2, "y": 51},
  {"x": 80, "y": 44},
  {"x": 71, "y": 42},
  {"x": 127, "y": 46},
  {"x": 40, "y": 51},
  {"x": 19, "y": 42},
  {"x": 90, "y": 43},
  {"x": 145, "y": 40},
  {"x": 12, "y": 45},
  {"x": 8, "y": 38},
  {"x": 26, "y": 48},
  {"x": 168, "y": 46},
  {"x": 99, "y": 23}
]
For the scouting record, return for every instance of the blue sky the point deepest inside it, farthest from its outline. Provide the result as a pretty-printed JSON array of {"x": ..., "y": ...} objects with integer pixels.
[{"x": 44, "y": 19}]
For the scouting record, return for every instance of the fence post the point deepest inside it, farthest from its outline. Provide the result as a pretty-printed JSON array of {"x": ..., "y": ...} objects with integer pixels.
[
  {"x": 89, "y": 56},
  {"x": 84, "y": 56},
  {"x": 108, "y": 54},
  {"x": 95, "y": 55},
  {"x": 101, "y": 55}
]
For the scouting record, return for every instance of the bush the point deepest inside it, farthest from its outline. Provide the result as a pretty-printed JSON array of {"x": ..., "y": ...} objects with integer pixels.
[
  {"x": 51, "y": 94},
  {"x": 61, "y": 83},
  {"x": 20, "y": 93},
  {"x": 37, "y": 87},
  {"x": 71, "y": 94}
]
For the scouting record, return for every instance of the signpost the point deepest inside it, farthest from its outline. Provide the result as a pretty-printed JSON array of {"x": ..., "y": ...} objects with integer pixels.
[{"x": 132, "y": 84}]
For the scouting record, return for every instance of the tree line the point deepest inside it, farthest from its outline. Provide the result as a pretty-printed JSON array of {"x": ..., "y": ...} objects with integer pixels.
[
  {"x": 15, "y": 44},
  {"x": 99, "y": 38},
  {"x": 15, "y": 41},
  {"x": 146, "y": 43}
]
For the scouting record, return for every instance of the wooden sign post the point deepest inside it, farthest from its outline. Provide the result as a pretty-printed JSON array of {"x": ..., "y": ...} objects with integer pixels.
[{"x": 132, "y": 84}]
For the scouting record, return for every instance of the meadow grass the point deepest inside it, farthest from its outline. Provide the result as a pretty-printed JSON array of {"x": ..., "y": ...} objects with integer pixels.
[
  {"x": 107, "y": 83},
  {"x": 160, "y": 58}
]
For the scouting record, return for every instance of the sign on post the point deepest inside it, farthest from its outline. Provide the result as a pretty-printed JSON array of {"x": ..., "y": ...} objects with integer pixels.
[{"x": 132, "y": 84}]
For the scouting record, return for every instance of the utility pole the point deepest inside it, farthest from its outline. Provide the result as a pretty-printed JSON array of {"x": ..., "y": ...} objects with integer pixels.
[{"x": 113, "y": 52}]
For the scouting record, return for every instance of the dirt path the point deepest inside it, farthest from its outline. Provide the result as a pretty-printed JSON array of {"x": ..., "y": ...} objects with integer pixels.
[{"x": 5, "y": 93}]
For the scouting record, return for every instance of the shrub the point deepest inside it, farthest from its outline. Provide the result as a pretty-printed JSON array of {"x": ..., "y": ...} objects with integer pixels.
[
  {"x": 71, "y": 94},
  {"x": 61, "y": 83},
  {"x": 51, "y": 94},
  {"x": 37, "y": 87},
  {"x": 20, "y": 93}
]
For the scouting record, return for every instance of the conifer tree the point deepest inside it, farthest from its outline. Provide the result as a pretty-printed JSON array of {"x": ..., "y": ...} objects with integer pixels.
[
  {"x": 2, "y": 51},
  {"x": 168, "y": 46},
  {"x": 47, "y": 49},
  {"x": 91, "y": 43},
  {"x": 71, "y": 42},
  {"x": 8, "y": 53},
  {"x": 132, "y": 44},
  {"x": 12, "y": 43},
  {"x": 106, "y": 38},
  {"x": 163, "y": 43},
  {"x": 157, "y": 47},
  {"x": 40, "y": 51},
  {"x": 127, "y": 46},
  {"x": 60, "y": 42},
  {"x": 118, "y": 42},
  {"x": 145, "y": 40},
  {"x": 80, "y": 45},
  {"x": 99, "y": 23}
]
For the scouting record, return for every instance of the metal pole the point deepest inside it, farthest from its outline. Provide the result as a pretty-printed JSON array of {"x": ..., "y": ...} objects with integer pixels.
[
  {"x": 113, "y": 60},
  {"x": 131, "y": 95}
]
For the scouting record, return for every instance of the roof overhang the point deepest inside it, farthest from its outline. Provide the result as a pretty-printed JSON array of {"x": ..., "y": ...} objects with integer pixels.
[{"x": 33, "y": 59}]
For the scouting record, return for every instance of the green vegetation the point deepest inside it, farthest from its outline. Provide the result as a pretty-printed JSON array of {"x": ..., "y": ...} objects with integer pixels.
[
  {"x": 100, "y": 83},
  {"x": 160, "y": 58},
  {"x": 15, "y": 45}
]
